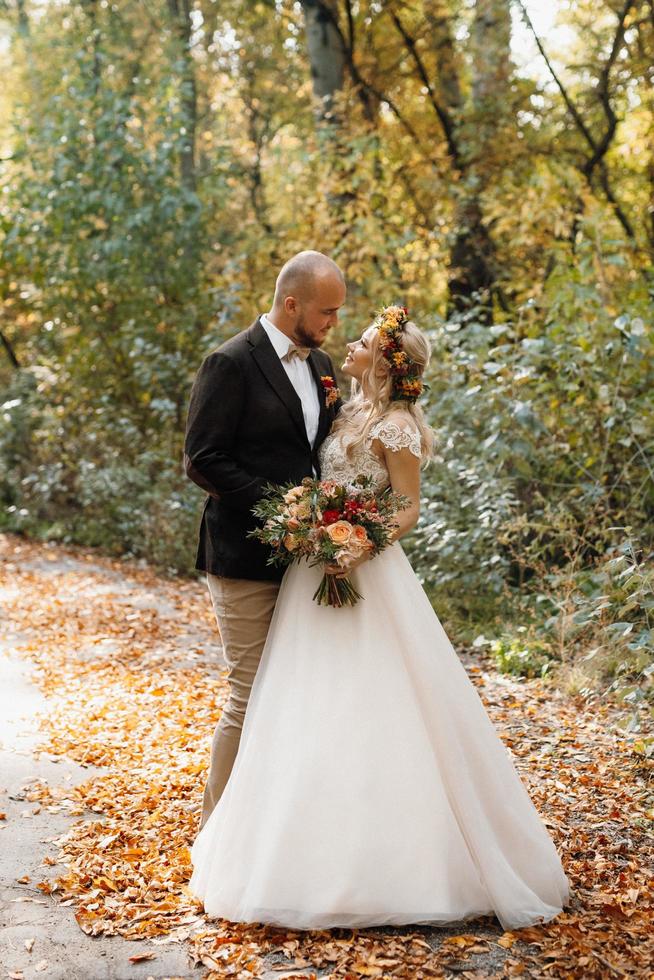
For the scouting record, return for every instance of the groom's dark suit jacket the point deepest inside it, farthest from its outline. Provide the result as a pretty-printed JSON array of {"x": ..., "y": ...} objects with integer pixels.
[{"x": 245, "y": 428}]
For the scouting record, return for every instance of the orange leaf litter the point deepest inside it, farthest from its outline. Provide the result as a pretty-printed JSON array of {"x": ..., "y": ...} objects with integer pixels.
[{"x": 127, "y": 694}]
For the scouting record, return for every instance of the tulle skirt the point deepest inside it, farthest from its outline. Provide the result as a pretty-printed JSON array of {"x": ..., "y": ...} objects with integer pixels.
[{"x": 370, "y": 786}]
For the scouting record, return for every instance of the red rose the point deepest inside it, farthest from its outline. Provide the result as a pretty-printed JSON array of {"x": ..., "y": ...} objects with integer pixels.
[
  {"x": 331, "y": 516},
  {"x": 328, "y": 381}
]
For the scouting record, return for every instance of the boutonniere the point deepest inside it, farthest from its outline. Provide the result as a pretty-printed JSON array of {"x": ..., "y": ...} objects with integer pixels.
[{"x": 332, "y": 394}]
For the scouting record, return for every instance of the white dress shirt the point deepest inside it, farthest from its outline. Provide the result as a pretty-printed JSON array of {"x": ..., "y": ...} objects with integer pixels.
[{"x": 300, "y": 376}]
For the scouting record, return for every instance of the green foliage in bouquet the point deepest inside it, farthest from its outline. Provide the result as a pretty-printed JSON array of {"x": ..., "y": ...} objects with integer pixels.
[{"x": 330, "y": 524}]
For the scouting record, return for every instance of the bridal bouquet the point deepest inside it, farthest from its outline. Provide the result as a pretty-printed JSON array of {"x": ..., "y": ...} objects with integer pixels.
[{"x": 329, "y": 524}]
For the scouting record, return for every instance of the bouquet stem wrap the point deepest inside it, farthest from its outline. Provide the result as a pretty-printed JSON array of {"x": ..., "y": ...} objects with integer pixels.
[{"x": 334, "y": 591}]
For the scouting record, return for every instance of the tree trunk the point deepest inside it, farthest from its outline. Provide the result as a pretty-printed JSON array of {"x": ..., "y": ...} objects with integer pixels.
[
  {"x": 473, "y": 277},
  {"x": 328, "y": 58},
  {"x": 23, "y": 20},
  {"x": 448, "y": 67},
  {"x": 491, "y": 56},
  {"x": 326, "y": 54},
  {"x": 180, "y": 11}
]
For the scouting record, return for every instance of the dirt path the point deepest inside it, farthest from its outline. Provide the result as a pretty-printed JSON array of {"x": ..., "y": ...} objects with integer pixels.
[{"x": 120, "y": 669}]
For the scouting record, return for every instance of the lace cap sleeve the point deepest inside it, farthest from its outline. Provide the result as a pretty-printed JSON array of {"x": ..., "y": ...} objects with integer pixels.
[{"x": 398, "y": 432}]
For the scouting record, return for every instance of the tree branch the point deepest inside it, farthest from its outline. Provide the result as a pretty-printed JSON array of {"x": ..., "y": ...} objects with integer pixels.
[
  {"x": 365, "y": 89},
  {"x": 442, "y": 113},
  {"x": 598, "y": 148},
  {"x": 11, "y": 354},
  {"x": 350, "y": 26},
  {"x": 604, "y": 95}
]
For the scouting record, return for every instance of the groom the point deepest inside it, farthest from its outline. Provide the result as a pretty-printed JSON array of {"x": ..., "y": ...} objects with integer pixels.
[{"x": 258, "y": 414}]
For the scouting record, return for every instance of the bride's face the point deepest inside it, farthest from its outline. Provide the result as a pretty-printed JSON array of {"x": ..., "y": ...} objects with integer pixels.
[{"x": 359, "y": 355}]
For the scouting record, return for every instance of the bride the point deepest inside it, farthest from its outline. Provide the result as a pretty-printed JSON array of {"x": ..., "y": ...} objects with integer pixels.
[{"x": 370, "y": 786}]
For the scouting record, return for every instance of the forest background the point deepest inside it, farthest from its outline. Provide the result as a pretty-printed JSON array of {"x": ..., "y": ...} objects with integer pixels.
[{"x": 488, "y": 163}]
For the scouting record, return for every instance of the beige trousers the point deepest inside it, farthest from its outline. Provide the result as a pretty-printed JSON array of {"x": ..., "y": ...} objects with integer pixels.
[{"x": 243, "y": 610}]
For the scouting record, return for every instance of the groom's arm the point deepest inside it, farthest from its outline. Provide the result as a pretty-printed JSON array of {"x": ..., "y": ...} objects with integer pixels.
[{"x": 215, "y": 409}]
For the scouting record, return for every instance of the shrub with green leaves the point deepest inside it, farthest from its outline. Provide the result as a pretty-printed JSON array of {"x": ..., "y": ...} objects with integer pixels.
[
  {"x": 521, "y": 656},
  {"x": 545, "y": 442}
]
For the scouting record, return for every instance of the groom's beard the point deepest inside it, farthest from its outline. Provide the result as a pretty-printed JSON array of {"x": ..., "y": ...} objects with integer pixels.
[{"x": 302, "y": 338}]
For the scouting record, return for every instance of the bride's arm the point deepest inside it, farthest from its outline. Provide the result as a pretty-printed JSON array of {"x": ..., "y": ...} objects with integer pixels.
[{"x": 404, "y": 472}]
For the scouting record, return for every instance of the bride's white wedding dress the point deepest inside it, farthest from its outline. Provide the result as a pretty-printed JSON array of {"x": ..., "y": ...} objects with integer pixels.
[{"x": 370, "y": 786}]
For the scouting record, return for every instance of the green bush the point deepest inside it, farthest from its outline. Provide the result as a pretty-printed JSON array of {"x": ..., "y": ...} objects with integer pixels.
[{"x": 521, "y": 656}]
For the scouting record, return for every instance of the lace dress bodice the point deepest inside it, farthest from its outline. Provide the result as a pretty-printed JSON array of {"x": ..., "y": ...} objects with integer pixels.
[{"x": 395, "y": 433}]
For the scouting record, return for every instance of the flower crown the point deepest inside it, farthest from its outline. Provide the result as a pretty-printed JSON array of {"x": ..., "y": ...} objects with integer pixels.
[{"x": 405, "y": 373}]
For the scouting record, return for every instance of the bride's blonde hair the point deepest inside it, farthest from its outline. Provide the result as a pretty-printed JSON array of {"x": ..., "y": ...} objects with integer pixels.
[{"x": 358, "y": 414}]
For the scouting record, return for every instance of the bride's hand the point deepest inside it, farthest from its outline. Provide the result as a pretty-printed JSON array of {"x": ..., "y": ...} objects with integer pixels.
[{"x": 339, "y": 571}]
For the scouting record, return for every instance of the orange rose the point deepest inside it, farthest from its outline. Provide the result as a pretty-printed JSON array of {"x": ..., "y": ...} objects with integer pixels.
[
  {"x": 340, "y": 532},
  {"x": 290, "y": 542},
  {"x": 360, "y": 535},
  {"x": 292, "y": 524}
]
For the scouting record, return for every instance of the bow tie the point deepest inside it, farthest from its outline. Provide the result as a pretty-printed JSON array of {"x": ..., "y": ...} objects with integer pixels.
[{"x": 295, "y": 351}]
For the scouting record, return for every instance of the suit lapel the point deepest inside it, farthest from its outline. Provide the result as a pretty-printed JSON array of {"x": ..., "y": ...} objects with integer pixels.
[
  {"x": 323, "y": 420},
  {"x": 271, "y": 367}
]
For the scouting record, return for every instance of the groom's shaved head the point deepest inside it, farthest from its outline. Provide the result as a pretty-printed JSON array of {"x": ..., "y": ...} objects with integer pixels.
[
  {"x": 309, "y": 292},
  {"x": 301, "y": 274}
]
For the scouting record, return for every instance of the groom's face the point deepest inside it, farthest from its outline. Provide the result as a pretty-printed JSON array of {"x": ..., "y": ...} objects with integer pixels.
[{"x": 317, "y": 312}]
